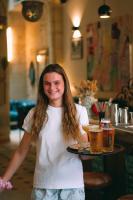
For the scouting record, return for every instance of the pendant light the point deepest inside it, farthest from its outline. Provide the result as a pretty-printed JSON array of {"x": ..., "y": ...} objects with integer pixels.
[
  {"x": 104, "y": 11},
  {"x": 63, "y": 1},
  {"x": 32, "y": 10}
]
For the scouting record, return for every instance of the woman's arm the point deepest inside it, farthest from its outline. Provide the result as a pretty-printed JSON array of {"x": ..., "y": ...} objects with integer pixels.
[
  {"x": 84, "y": 121},
  {"x": 84, "y": 137},
  {"x": 18, "y": 157}
]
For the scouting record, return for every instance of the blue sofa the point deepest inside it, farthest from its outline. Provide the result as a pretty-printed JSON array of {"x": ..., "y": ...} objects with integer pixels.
[{"x": 18, "y": 111}]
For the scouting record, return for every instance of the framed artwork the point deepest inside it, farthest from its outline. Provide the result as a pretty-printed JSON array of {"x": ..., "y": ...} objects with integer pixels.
[
  {"x": 108, "y": 52},
  {"x": 77, "y": 48}
]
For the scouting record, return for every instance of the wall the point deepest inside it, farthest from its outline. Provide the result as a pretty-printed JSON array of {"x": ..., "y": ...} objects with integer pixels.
[
  {"x": 44, "y": 34},
  {"x": 87, "y": 10},
  {"x": 28, "y": 39},
  {"x": 17, "y": 76},
  {"x": 54, "y": 31}
]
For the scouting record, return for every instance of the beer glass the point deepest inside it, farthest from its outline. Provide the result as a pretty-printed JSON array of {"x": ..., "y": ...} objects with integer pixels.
[
  {"x": 96, "y": 136},
  {"x": 87, "y": 127},
  {"x": 108, "y": 139}
]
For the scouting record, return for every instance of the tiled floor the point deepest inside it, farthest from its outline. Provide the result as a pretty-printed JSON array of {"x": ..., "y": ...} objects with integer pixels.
[{"x": 22, "y": 180}]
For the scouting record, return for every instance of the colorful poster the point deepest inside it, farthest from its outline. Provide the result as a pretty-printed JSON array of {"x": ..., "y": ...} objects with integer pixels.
[{"x": 108, "y": 59}]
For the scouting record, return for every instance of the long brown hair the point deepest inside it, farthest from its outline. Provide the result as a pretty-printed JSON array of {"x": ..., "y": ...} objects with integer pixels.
[{"x": 69, "y": 120}]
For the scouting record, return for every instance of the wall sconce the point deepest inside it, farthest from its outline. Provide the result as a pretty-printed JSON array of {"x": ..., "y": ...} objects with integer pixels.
[
  {"x": 104, "y": 11},
  {"x": 3, "y": 21},
  {"x": 42, "y": 59},
  {"x": 42, "y": 56},
  {"x": 76, "y": 32},
  {"x": 32, "y": 10},
  {"x": 76, "y": 44}
]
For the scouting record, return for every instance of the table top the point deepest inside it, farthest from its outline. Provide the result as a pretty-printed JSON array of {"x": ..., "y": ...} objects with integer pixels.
[
  {"x": 117, "y": 149},
  {"x": 125, "y": 128}
]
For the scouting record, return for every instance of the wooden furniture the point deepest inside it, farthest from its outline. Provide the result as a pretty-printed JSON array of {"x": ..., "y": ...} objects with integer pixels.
[
  {"x": 126, "y": 197},
  {"x": 114, "y": 165},
  {"x": 97, "y": 185},
  {"x": 124, "y": 137}
]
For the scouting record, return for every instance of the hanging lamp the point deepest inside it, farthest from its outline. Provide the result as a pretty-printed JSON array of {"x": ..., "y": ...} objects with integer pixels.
[
  {"x": 63, "y": 1},
  {"x": 32, "y": 10},
  {"x": 104, "y": 11}
]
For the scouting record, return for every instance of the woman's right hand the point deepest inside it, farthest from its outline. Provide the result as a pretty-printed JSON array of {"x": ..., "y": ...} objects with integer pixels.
[{"x": 5, "y": 185}]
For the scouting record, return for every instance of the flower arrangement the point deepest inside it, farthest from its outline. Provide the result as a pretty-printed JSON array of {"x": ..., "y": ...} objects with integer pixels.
[
  {"x": 87, "y": 88},
  {"x": 86, "y": 92}
]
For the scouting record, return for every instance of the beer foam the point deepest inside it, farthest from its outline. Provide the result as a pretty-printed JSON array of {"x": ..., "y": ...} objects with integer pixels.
[
  {"x": 93, "y": 126},
  {"x": 108, "y": 128},
  {"x": 96, "y": 129}
]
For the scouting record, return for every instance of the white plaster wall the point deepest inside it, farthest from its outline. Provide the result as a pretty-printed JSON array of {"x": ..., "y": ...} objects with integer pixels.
[
  {"x": 36, "y": 39},
  {"x": 17, "y": 76},
  {"x": 87, "y": 10},
  {"x": 28, "y": 39},
  {"x": 54, "y": 31}
]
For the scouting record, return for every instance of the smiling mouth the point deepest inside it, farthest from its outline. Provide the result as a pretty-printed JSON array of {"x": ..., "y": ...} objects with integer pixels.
[{"x": 52, "y": 93}]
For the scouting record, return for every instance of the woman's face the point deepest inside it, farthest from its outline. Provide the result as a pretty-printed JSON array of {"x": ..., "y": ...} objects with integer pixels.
[{"x": 53, "y": 85}]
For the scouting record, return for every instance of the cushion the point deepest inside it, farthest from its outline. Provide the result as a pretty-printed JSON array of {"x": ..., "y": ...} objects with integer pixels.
[{"x": 96, "y": 180}]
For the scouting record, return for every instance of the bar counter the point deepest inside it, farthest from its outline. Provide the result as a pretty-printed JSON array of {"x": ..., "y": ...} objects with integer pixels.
[
  {"x": 122, "y": 172},
  {"x": 124, "y": 136},
  {"x": 125, "y": 128}
]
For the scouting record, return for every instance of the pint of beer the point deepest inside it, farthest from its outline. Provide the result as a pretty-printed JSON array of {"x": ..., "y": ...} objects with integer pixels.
[
  {"x": 86, "y": 128},
  {"x": 96, "y": 140},
  {"x": 108, "y": 139}
]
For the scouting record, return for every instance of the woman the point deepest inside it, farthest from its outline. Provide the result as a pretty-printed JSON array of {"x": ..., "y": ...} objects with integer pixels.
[{"x": 55, "y": 123}]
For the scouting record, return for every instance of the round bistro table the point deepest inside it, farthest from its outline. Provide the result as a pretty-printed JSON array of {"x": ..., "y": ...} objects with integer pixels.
[{"x": 113, "y": 164}]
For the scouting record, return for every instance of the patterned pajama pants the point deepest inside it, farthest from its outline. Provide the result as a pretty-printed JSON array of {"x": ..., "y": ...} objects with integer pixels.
[{"x": 58, "y": 194}]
